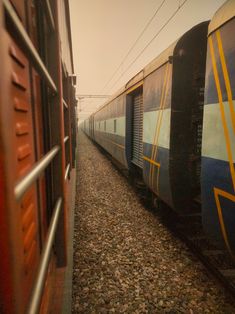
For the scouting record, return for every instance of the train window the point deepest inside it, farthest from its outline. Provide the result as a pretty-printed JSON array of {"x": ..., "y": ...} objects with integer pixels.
[
  {"x": 115, "y": 126},
  {"x": 105, "y": 126},
  {"x": 154, "y": 84}
]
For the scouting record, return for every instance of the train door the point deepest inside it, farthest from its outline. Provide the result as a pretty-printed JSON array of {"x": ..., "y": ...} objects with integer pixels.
[{"x": 134, "y": 128}]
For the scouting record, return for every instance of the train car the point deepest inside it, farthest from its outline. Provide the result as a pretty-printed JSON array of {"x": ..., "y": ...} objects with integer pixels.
[
  {"x": 37, "y": 157},
  {"x": 108, "y": 128},
  {"x": 174, "y": 125},
  {"x": 153, "y": 126},
  {"x": 218, "y": 141}
]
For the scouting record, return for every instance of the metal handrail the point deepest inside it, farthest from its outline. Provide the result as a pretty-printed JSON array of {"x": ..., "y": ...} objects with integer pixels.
[
  {"x": 66, "y": 139},
  {"x": 67, "y": 172},
  {"x": 65, "y": 104},
  {"x": 27, "y": 43},
  {"x": 22, "y": 186},
  {"x": 38, "y": 288},
  {"x": 49, "y": 14}
]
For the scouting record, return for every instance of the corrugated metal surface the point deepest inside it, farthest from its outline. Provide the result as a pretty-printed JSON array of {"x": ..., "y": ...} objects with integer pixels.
[{"x": 137, "y": 140}]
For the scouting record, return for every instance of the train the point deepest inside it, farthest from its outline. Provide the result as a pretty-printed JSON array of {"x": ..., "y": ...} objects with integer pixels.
[
  {"x": 173, "y": 126},
  {"x": 38, "y": 129}
]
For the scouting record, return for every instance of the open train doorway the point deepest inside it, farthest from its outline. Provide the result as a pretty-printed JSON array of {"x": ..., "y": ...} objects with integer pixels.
[{"x": 134, "y": 128}]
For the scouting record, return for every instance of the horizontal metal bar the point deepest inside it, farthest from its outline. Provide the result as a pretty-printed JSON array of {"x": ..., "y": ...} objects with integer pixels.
[
  {"x": 66, "y": 139},
  {"x": 40, "y": 279},
  {"x": 30, "y": 50},
  {"x": 92, "y": 96},
  {"x": 49, "y": 15},
  {"x": 67, "y": 172},
  {"x": 22, "y": 186},
  {"x": 65, "y": 104}
]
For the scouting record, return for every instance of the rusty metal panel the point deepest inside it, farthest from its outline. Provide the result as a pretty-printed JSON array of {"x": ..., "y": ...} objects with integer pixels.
[
  {"x": 8, "y": 303},
  {"x": 17, "y": 157},
  {"x": 24, "y": 160}
]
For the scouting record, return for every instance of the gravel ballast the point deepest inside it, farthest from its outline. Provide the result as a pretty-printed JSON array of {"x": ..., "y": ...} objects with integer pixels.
[{"x": 125, "y": 259}]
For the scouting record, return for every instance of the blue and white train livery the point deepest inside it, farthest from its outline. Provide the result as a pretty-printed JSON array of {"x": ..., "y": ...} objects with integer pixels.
[
  {"x": 173, "y": 124},
  {"x": 218, "y": 141}
]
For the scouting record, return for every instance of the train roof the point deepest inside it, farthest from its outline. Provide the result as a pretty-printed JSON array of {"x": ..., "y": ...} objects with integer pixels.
[
  {"x": 160, "y": 59},
  {"x": 223, "y": 15},
  {"x": 156, "y": 63},
  {"x": 152, "y": 66}
]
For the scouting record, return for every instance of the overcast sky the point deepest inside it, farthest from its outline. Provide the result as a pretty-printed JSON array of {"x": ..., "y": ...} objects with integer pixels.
[{"x": 103, "y": 31}]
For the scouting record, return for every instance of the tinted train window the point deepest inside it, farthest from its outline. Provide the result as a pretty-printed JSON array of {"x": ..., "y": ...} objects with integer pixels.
[
  {"x": 155, "y": 85},
  {"x": 227, "y": 35}
]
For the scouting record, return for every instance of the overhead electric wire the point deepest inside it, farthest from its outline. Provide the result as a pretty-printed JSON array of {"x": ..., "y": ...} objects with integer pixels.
[
  {"x": 149, "y": 43},
  {"x": 133, "y": 45}
]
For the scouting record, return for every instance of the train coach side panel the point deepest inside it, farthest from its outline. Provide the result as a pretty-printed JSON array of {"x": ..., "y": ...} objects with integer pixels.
[
  {"x": 172, "y": 120},
  {"x": 110, "y": 129},
  {"x": 156, "y": 131},
  {"x": 218, "y": 145}
]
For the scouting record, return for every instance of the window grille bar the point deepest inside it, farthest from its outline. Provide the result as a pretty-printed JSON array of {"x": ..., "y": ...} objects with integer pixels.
[
  {"x": 67, "y": 172},
  {"x": 66, "y": 139},
  {"x": 49, "y": 15},
  {"x": 27, "y": 44},
  {"x": 39, "y": 283},
  {"x": 22, "y": 186},
  {"x": 65, "y": 104}
]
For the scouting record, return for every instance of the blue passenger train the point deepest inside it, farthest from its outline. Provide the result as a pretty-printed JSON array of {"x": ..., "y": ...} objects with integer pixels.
[{"x": 174, "y": 124}]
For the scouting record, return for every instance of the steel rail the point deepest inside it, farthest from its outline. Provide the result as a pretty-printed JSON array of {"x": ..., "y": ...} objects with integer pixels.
[
  {"x": 67, "y": 172},
  {"x": 38, "y": 288},
  {"x": 27, "y": 44},
  {"x": 22, "y": 186}
]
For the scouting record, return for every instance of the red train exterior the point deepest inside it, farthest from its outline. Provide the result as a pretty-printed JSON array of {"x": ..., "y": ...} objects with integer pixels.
[{"x": 37, "y": 152}]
